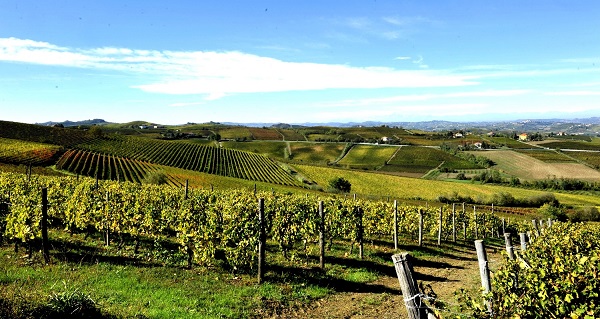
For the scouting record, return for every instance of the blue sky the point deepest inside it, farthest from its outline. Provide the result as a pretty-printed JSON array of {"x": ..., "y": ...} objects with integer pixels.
[{"x": 174, "y": 61}]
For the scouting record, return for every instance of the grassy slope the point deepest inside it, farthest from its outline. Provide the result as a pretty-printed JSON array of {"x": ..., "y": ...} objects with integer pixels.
[
  {"x": 272, "y": 149},
  {"x": 318, "y": 153},
  {"x": 411, "y": 188},
  {"x": 527, "y": 167},
  {"x": 368, "y": 156}
]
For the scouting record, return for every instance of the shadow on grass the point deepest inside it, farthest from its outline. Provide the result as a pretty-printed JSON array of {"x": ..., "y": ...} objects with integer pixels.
[{"x": 317, "y": 277}]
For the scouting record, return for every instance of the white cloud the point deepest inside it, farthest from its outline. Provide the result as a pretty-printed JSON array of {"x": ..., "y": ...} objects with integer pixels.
[
  {"x": 217, "y": 74},
  {"x": 186, "y": 104}
]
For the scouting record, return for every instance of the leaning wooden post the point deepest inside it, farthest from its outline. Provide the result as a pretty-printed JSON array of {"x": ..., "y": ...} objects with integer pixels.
[
  {"x": 509, "y": 246},
  {"x": 420, "y": 227},
  {"x": 484, "y": 271},
  {"x": 321, "y": 235},
  {"x": 262, "y": 238},
  {"x": 45, "y": 243},
  {"x": 395, "y": 224},
  {"x": 503, "y": 226},
  {"x": 523, "y": 237},
  {"x": 439, "y": 242},
  {"x": 186, "y": 189},
  {"x": 549, "y": 222},
  {"x": 410, "y": 290},
  {"x": 453, "y": 222}
]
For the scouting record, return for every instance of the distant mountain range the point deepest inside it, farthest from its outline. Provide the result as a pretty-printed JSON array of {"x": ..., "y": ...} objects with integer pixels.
[
  {"x": 588, "y": 126},
  {"x": 77, "y": 123}
]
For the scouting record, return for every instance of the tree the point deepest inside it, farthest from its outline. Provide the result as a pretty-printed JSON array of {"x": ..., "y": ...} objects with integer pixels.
[
  {"x": 340, "y": 184},
  {"x": 95, "y": 131}
]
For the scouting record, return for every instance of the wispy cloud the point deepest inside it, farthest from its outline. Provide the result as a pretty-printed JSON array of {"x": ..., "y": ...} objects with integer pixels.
[
  {"x": 186, "y": 104},
  {"x": 216, "y": 74},
  {"x": 574, "y": 93}
]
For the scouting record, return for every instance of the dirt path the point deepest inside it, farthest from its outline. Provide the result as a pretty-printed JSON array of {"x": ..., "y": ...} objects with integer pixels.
[{"x": 454, "y": 269}]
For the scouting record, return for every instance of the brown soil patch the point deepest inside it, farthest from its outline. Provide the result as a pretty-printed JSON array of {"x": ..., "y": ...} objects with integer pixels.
[{"x": 446, "y": 274}]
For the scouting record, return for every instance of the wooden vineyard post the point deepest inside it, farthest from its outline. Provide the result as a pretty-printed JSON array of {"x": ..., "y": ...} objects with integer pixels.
[
  {"x": 420, "y": 227},
  {"x": 484, "y": 271},
  {"x": 464, "y": 222},
  {"x": 45, "y": 243},
  {"x": 475, "y": 221},
  {"x": 509, "y": 246},
  {"x": 262, "y": 238},
  {"x": 186, "y": 189},
  {"x": 97, "y": 180},
  {"x": 523, "y": 237},
  {"x": 361, "y": 232},
  {"x": 410, "y": 290},
  {"x": 321, "y": 235},
  {"x": 549, "y": 222},
  {"x": 395, "y": 225},
  {"x": 439, "y": 239},
  {"x": 535, "y": 227},
  {"x": 107, "y": 221},
  {"x": 453, "y": 222}
]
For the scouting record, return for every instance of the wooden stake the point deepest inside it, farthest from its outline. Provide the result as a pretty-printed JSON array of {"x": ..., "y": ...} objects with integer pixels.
[
  {"x": 409, "y": 287},
  {"x": 395, "y": 225},
  {"x": 484, "y": 270},
  {"x": 45, "y": 243},
  {"x": 509, "y": 246},
  {"x": 262, "y": 238},
  {"x": 420, "y": 227},
  {"x": 321, "y": 235}
]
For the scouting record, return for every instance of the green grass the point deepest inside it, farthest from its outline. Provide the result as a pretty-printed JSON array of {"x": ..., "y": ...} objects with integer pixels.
[
  {"x": 507, "y": 142},
  {"x": 235, "y": 132},
  {"x": 548, "y": 156},
  {"x": 316, "y": 153},
  {"x": 404, "y": 188},
  {"x": 422, "y": 159},
  {"x": 271, "y": 149},
  {"x": 573, "y": 144},
  {"x": 368, "y": 156},
  {"x": 591, "y": 158}
]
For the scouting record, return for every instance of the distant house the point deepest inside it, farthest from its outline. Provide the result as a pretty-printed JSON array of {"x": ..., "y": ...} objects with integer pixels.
[
  {"x": 561, "y": 134},
  {"x": 144, "y": 127},
  {"x": 478, "y": 144},
  {"x": 491, "y": 134},
  {"x": 385, "y": 139},
  {"x": 523, "y": 137},
  {"x": 458, "y": 135}
]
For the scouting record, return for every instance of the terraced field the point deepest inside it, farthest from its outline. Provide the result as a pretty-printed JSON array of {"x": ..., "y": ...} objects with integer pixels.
[
  {"x": 265, "y": 134},
  {"x": 291, "y": 135},
  {"x": 508, "y": 142},
  {"x": 591, "y": 158},
  {"x": 271, "y": 149},
  {"x": 574, "y": 144},
  {"x": 529, "y": 168}
]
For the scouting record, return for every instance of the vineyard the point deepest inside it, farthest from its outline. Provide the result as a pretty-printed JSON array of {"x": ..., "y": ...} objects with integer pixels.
[
  {"x": 195, "y": 157},
  {"x": 107, "y": 167},
  {"x": 212, "y": 226},
  {"x": 29, "y": 153},
  {"x": 44, "y": 134}
]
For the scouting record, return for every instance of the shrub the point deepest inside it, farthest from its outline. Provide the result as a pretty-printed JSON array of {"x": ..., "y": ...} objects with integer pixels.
[
  {"x": 340, "y": 184},
  {"x": 156, "y": 178},
  {"x": 584, "y": 214},
  {"x": 554, "y": 212}
]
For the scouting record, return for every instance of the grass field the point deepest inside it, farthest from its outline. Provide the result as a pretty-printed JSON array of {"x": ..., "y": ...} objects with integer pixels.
[
  {"x": 411, "y": 188},
  {"x": 548, "y": 156},
  {"x": 422, "y": 159},
  {"x": 235, "y": 133},
  {"x": 318, "y": 153},
  {"x": 529, "y": 168},
  {"x": 291, "y": 135},
  {"x": 591, "y": 158},
  {"x": 594, "y": 145},
  {"x": 265, "y": 134},
  {"x": 272, "y": 149},
  {"x": 368, "y": 156},
  {"x": 507, "y": 142}
]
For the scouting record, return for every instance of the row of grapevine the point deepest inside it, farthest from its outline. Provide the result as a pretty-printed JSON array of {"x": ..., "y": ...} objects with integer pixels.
[
  {"x": 28, "y": 153},
  {"x": 106, "y": 167},
  {"x": 214, "y": 223},
  {"x": 196, "y": 157},
  {"x": 557, "y": 276},
  {"x": 66, "y": 137}
]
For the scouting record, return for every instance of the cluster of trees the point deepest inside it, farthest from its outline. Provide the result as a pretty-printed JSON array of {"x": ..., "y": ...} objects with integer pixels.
[{"x": 563, "y": 184}]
